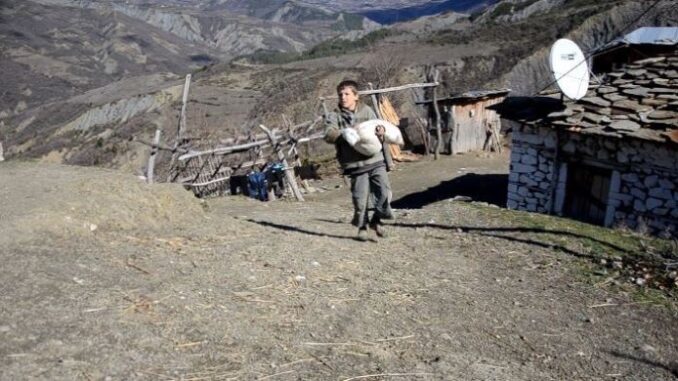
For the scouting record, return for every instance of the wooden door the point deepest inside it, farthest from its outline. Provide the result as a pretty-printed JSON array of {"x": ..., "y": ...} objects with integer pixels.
[{"x": 587, "y": 192}]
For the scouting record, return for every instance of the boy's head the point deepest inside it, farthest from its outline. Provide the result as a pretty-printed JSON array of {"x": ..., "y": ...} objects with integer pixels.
[{"x": 347, "y": 91}]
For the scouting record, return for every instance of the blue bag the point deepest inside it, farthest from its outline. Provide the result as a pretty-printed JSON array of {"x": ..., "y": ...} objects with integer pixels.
[{"x": 257, "y": 186}]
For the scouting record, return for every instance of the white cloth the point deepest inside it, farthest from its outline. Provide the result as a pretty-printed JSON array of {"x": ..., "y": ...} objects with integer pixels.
[
  {"x": 350, "y": 135},
  {"x": 368, "y": 143}
]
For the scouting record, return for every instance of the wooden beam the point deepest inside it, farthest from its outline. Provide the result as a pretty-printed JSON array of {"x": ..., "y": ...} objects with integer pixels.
[
  {"x": 219, "y": 180},
  {"x": 260, "y": 136},
  {"x": 289, "y": 172},
  {"x": 151, "y": 158},
  {"x": 246, "y": 146},
  {"x": 160, "y": 146},
  {"x": 388, "y": 89}
]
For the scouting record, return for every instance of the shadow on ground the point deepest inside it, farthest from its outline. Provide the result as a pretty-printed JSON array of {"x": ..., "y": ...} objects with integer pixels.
[
  {"x": 490, "y": 188},
  {"x": 671, "y": 367},
  {"x": 506, "y": 233},
  {"x": 290, "y": 228}
]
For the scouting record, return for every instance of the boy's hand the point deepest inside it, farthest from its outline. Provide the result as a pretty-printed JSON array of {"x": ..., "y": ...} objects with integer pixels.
[{"x": 380, "y": 131}]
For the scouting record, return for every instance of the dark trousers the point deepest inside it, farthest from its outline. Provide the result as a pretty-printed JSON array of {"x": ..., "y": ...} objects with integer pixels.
[{"x": 372, "y": 184}]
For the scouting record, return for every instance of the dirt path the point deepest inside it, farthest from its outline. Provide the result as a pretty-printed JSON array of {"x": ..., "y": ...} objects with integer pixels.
[{"x": 282, "y": 291}]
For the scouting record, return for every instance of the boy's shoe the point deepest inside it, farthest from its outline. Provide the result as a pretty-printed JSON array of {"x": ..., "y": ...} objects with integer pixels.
[
  {"x": 379, "y": 229},
  {"x": 362, "y": 235}
]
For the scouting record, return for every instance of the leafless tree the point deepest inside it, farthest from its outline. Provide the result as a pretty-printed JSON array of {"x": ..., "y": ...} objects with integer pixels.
[{"x": 383, "y": 66}]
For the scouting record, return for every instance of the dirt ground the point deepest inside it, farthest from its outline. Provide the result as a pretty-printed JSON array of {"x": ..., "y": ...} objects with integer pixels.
[{"x": 105, "y": 278}]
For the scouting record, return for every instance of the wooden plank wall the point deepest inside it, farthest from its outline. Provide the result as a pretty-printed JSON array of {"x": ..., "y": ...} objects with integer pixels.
[{"x": 471, "y": 122}]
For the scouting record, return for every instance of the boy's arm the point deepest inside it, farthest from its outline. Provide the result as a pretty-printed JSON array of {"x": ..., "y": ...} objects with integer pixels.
[{"x": 332, "y": 129}]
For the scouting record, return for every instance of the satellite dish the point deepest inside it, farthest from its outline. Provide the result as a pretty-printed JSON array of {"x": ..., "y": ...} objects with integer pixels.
[{"x": 569, "y": 67}]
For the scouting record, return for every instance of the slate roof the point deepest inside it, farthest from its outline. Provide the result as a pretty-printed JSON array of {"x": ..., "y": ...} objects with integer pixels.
[{"x": 639, "y": 101}]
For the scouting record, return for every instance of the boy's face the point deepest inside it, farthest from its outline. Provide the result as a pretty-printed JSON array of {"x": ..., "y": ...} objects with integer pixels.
[{"x": 348, "y": 99}]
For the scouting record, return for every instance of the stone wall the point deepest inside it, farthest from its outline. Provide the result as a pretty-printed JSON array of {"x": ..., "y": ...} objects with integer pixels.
[{"x": 644, "y": 176}]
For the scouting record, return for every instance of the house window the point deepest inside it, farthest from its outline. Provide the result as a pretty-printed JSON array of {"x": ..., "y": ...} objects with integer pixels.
[{"x": 587, "y": 191}]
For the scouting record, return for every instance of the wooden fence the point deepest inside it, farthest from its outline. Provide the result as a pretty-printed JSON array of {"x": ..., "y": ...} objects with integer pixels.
[{"x": 208, "y": 172}]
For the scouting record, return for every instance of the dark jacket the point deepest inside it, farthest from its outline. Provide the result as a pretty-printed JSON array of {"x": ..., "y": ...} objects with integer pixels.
[{"x": 348, "y": 157}]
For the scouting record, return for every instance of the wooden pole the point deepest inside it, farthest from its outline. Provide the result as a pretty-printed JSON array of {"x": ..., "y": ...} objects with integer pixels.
[
  {"x": 375, "y": 101},
  {"x": 439, "y": 134},
  {"x": 151, "y": 158},
  {"x": 289, "y": 172},
  {"x": 245, "y": 147},
  {"x": 182, "y": 127},
  {"x": 295, "y": 152},
  {"x": 184, "y": 101},
  {"x": 2, "y": 153},
  {"x": 325, "y": 112},
  {"x": 384, "y": 147}
]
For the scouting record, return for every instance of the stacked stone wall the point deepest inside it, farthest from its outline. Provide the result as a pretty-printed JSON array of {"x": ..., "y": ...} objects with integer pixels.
[
  {"x": 644, "y": 176},
  {"x": 532, "y": 170}
]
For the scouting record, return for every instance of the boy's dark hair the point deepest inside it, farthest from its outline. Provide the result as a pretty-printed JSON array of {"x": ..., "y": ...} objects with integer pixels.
[{"x": 348, "y": 83}]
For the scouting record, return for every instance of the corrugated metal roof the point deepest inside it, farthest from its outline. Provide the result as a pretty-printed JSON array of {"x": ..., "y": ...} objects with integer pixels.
[{"x": 653, "y": 35}]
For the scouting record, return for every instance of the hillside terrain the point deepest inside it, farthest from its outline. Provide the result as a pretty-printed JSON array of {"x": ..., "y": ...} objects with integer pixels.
[
  {"x": 51, "y": 119},
  {"x": 105, "y": 276}
]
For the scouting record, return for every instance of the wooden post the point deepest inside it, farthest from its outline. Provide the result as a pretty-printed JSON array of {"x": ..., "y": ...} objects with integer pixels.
[
  {"x": 181, "y": 128},
  {"x": 295, "y": 151},
  {"x": 2, "y": 153},
  {"x": 375, "y": 101},
  {"x": 384, "y": 147},
  {"x": 184, "y": 100},
  {"x": 289, "y": 174},
  {"x": 325, "y": 112},
  {"x": 497, "y": 137},
  {"x": 151, "y": 158},
  {"x": 439, "y": 133}
]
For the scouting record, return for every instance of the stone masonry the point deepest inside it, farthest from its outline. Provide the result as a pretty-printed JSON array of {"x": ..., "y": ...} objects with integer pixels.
[
  {"x": 644, "y": 183},
  {"x": 627, "y": 126}
]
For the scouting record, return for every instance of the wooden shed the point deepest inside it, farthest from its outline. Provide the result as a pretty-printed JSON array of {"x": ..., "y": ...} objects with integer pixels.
[{"x": 468, "y": 122}]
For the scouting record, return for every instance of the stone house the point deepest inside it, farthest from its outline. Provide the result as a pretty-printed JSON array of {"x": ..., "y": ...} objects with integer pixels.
[
  {"x": 610, "y": 158},
  {"x": 468, "y": 121}
]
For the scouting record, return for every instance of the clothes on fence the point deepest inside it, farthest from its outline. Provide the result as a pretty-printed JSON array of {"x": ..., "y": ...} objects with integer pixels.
[
  {"x": 257, "y": 187},
  {"x": 269, "y": 178}
]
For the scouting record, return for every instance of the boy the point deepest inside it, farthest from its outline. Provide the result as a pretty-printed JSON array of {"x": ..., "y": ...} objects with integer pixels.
[{"x": 367, "y": 173}]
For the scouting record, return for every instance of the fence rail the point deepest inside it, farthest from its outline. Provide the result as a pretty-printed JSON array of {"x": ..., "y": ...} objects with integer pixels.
[{"x": 207, "y": 171}]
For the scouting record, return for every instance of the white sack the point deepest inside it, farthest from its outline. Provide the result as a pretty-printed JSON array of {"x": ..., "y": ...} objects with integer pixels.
[
  {"x": 368, "y": 143},
  {"x": 350, "y": 135}
]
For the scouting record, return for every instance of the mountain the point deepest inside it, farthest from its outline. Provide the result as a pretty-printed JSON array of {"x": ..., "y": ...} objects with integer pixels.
[
  {"x": 54, "y": 52},
  {"x": 294, "y": 12},
  {"x": 80, "y": 81},
  {"x": 73, "y": 70},
  {"x": 380, "y": 11}
]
